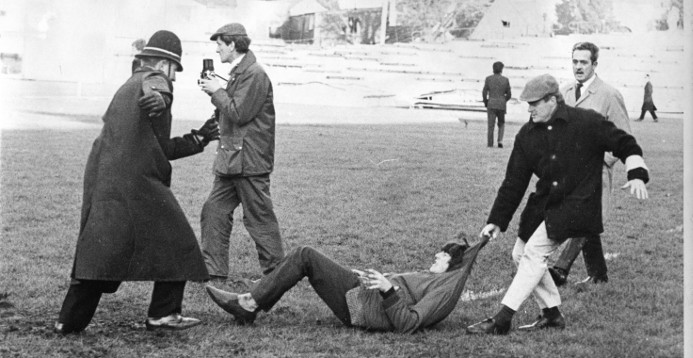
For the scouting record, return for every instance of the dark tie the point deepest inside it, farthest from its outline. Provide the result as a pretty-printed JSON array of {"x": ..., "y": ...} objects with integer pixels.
[{"x": 577, "y": 91}]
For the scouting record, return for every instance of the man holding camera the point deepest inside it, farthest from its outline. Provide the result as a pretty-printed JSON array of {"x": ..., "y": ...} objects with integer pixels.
[
  {"x": 132, "y": 227},
  {"x": 245, "y": 157}
]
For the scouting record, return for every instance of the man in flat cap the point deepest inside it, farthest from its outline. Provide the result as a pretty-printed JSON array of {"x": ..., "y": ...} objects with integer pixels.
[
  {"x": 132, "y": 227},
  {"x": 245, "y": 157},
  {"x": 564, "y": 147}
]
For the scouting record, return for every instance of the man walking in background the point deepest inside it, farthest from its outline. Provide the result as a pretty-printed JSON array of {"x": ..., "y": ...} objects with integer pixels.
[
  {"x": 590, "y": 92},
  {"x": 647, "y": 102},
  {"x": 495, "y": 94},
  {"x": 245, "y": 157}
]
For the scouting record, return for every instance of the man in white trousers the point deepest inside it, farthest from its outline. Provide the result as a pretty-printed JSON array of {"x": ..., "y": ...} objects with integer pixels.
[{"x": 564, "y": 147}]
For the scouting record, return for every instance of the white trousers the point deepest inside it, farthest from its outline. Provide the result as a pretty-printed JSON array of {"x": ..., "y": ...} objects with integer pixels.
[{"x": 532, "y": 275}]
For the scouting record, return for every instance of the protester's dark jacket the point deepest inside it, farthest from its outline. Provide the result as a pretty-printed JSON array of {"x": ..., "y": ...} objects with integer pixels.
[
  {"x": 132, "y": 228},
  {"x": 246, "y": 121},
  {"x": 421, "y": 299},
  {"x": 566, "y": 155}
]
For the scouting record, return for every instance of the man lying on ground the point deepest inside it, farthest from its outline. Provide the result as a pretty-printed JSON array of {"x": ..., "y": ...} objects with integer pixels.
[{"x": 404, "y": 302}]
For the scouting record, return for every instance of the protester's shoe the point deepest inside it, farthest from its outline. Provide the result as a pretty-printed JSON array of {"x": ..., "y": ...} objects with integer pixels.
[
  {"x": 60, "y": 328},
  {"x": 174, "y": 322},
  {"x": 229, "y": 302},
  {"x": 488, "y": 326},
  {"x": 584, "y": 284},
  {"x": 559, "y": 276},
  {"x": 639, "y": 119},
  {"x": 544, "y": 323}
]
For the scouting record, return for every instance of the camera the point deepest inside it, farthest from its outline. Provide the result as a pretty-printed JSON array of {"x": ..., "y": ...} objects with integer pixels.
[{"x": 207, "y": 68}]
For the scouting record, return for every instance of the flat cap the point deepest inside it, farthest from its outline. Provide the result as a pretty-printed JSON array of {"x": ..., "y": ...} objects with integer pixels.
[
  {"x": 230, "y": 30},
  {"x": 538, "y": 87}
]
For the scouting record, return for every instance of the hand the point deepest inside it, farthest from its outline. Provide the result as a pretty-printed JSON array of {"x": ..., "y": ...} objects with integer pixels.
[
  {"x": 208, "y": 85},
  {"x": 375, "y": 280},
  {"x": 152, "y": 103},
  {"x": 637, "y": 188},
  {"x": 490, "y": 230},
  {"x": 209, "y": 131}
]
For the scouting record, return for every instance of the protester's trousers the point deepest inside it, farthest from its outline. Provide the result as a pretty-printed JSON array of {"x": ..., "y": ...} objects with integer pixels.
[
  {"x": 330, "y": 280},
  {"x": 532, "y": 275},
  {"x": 492, "y": 115},
  {"x": 216, "y": 223},
  {"x": 83, "y": 297}
]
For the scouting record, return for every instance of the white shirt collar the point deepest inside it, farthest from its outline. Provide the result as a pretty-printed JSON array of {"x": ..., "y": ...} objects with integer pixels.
[
  {"x": 587, "y": 83},
  {"x": 235, "y": 62}
]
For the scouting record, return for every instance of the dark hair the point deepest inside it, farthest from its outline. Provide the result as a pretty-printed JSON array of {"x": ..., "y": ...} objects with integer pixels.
[
  {"x": 592, "y": 48},
  {"x": 456, "y": 251},
  {"x": 241, "y": 42},
  {"x": 498, "y": 67}
]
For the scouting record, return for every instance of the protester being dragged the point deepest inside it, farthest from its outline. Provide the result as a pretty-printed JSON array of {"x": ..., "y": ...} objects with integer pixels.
[{"x": 368, "y": 299}]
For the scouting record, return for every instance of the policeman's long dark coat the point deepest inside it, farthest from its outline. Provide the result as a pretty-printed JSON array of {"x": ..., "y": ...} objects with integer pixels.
[
  {"x": 132, "y": 228},
  {"x": 566, "y": 154}
]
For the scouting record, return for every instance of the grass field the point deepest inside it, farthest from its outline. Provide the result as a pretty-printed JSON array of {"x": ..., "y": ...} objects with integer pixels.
[{"x": 382, "y": 196}]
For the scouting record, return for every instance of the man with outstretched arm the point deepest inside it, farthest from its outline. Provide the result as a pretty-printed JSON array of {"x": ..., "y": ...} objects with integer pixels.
[{"x": 564, "y": 147}]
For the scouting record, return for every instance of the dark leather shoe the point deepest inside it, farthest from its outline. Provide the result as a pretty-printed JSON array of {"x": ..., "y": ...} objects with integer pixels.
[
  {"x": 558, "y": 275},
  {"x": 500, "y": 145},
  {"x": 544, "y": 323},
  {"x": 250, "y": 284},
  {"x": 228, "y": 301},
  {"x": 174, "y": 322},
  {"x": 488, "y": 326}
]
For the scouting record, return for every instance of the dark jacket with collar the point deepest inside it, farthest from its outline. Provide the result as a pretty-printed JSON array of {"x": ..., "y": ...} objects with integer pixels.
[
  {"x": 496, "y": 92},
  {"x": 566, "y": 155},
  {"x": 246, "y": 121}
]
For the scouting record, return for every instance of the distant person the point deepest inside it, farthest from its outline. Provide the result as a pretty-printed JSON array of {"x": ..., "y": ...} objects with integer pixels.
[
  {"x": 564, "y": 148},
  {"x": 132, "y": 227},
  {"x": 590, "y": 92},
  {"x": 137, "y": 47},
  {"x": 245, "y": 157},
  {"x": 405, "y": 302},
  {"x": 496, "y": 93},
  {"x": 647, "y": 103}
]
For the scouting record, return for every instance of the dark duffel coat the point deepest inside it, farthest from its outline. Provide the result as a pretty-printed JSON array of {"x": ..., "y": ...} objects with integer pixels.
[
  {"x": 566, "y": 154},
  {"x": 132, "y": 228}
]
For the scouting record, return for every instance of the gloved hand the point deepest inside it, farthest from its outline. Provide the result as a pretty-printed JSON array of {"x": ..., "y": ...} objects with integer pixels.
[
  {"x": 209, "y": 131},
  {"x": 152, "y": 103}
]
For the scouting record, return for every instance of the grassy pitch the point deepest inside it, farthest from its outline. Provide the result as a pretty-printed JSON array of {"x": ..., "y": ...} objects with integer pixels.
[{"x": 385, "y": 197}]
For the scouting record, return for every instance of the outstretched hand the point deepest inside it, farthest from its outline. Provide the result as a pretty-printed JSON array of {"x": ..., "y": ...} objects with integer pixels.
[{"x": 637, "y": 188}]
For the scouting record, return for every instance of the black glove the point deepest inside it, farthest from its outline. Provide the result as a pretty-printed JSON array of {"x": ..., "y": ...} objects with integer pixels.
[
  {"x": 152, "y": 103},
  {"x": 209, "y": 131}
]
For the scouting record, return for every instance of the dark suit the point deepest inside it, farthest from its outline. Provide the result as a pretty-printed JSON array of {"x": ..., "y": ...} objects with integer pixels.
[
  {"x": 495, "y": 94},
  {"x": 647, "y": 103}
]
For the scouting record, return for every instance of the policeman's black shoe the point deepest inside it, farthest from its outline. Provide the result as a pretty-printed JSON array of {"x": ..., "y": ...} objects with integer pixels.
[
  {"x": 500, "y": 145},
  {"x": 228, "y": 301},
  {"x": 488, "y": 326},
  {"x": 544, "y": 323},
  {"x": 559, "y": 276}
]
